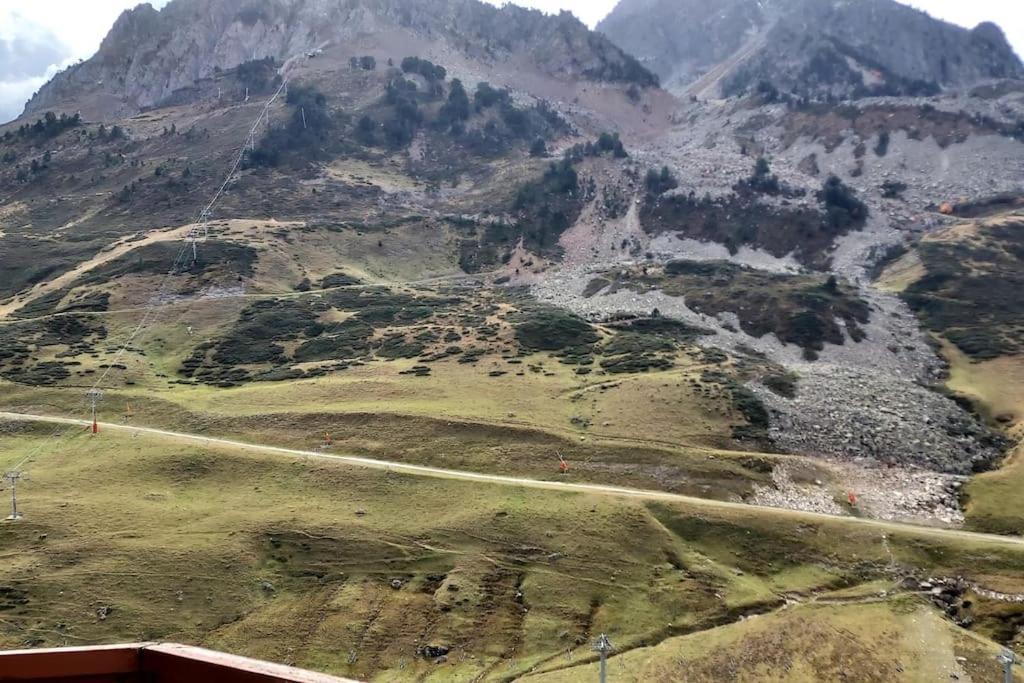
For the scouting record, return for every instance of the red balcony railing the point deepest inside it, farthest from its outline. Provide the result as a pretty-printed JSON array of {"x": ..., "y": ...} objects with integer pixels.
[{"x": 147, "y": 663}]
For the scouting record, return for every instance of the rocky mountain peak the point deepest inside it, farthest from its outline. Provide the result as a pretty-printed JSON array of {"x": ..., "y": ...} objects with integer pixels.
[
  {"x": 149, "y": 55},
  {"x": 812, "y": 48}
]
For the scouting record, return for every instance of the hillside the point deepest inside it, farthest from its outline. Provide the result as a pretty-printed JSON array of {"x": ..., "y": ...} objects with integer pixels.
[{"x": 486, "y": 241}]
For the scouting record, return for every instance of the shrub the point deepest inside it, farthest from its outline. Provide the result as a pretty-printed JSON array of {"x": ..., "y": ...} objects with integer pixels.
[
  {"x": 610, "y": 142},
  {"x": 304, "y": 138},
  {"x": 882, "y": 147},
  {"x": 893, "y": 189},
  {"x": 660, "y": 183},
  {"x": 781, "y": 383},
  {"x": 366, "y": 63},
  {"x": 487, "y": 96},
  {"x": 843, "y": 209},
  {"x": 552, "y": 329},
  {"x": 428, "y": 70},
  {"x": 401, "y": 95},
  {"x": 456, "y": 109},
  {"x": 761, "y": 180}
]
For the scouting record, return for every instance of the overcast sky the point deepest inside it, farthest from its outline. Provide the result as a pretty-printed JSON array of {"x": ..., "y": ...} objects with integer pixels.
[{"x": 40, "y": 37}]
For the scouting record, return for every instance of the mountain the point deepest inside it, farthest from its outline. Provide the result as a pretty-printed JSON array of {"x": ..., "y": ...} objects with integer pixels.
[
  {"x": 810, "y": 48},
  {"x": 485, "y": 245},
  {"x": 149, "y": 55}
]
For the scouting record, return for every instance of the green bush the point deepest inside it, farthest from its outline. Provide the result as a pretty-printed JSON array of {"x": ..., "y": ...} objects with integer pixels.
[{"x": 552, "y": 329}]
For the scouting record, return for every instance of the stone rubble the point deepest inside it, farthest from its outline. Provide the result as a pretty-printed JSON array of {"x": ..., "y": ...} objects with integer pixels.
[{"x": 868, "y": 405}]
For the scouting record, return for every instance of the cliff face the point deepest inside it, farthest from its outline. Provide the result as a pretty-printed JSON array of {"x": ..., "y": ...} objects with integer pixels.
[
  {"x": 680, "y": 40},
  {"x": 148, "y": 55},
  {"x": 810, "y": 47}
]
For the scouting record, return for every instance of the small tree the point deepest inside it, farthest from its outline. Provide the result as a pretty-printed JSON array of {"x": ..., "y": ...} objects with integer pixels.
[
  {"x": 660, "y": 183},
  {"x": 366, "y": 131},
  {"x": 456, "y": 109}
]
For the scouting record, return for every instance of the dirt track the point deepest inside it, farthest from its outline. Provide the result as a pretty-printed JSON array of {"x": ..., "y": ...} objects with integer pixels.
[{"x": 564, "y": 486}]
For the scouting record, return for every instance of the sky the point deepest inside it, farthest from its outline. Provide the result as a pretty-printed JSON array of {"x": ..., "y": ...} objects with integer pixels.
[{"x": 40, "y": 37}]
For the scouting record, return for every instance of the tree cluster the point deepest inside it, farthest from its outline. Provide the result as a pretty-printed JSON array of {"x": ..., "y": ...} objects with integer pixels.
[
  {"x": 49, "y": 126},
  {"x": 306, "y": 134},
  {"x": 434, "y": 74},
  {"x": 258, "y": 75},
  {"x": 605, "y": 143}
]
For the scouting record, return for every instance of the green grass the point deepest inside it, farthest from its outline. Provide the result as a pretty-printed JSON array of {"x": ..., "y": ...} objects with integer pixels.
[
  {"x": 218, "y": 547},
  {"x": 884, "y": 641},
  {"x": 459, "y": 418}
]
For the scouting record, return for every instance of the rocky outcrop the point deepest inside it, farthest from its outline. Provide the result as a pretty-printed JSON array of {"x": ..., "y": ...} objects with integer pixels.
[
  {"x": 150, "y": 54},
  {"x": 811, "y": 48}
]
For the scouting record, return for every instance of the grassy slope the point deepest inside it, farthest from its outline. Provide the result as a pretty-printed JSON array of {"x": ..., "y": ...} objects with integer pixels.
[
  {"x": 222, "y": 548},
  {"x": 995, "y": 385},
  {"x": 994, "y": 501},
  {"x": 888, "y": 640},
  {"x": 461, "y": 417},
  {"x": 653, "y": 430}
]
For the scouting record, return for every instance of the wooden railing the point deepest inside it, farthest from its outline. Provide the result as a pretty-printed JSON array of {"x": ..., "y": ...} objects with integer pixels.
[{"x": 147, "y": 663}]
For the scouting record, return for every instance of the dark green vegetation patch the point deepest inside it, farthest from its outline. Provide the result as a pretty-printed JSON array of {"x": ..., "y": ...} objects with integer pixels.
[
  {"x": 747, "y": 403},
  {"x": 798, "y": 309},
  {"x": 382, "y": 323},
  {"x": 543, "y": 209},
  {"x": 740, "y": 219},
  {"x": 554, "y": 329},
  {"x": 216, "y": 258},
  {"x": 37, "y": 352},
  {"x": 577, "y": 342},
  {"x": 972, "y": 290}
]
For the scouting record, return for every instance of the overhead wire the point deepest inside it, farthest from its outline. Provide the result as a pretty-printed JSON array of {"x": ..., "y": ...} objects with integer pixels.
[{"x": 199, "y": 231}]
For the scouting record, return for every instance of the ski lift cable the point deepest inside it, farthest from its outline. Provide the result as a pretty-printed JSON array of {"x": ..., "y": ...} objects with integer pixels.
[{"x": 156, "y": 302}]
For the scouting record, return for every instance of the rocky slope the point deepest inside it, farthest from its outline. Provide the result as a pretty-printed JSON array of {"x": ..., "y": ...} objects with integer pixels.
[
  {"x": 150, "y": 54},
  {"x": 813, "y": 48}
]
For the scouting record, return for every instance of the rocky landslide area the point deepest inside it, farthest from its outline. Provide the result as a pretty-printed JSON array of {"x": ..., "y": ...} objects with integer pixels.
[{"x": 870, "y": 407}]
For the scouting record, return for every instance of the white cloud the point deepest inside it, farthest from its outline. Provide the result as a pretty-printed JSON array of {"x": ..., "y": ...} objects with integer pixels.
[
  {"x": 79, "y": 24},
  {"x": 14, "y": 94},
  {"x": 72, "y": 29}
]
